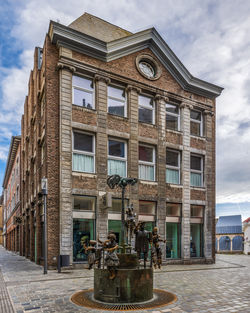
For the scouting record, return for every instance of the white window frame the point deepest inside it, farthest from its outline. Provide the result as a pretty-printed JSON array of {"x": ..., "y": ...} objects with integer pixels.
[
  {"x": 85, "y": 90},
  {"x": 173, "y": 114},
  {"x": 147, "y": 107},
  {"x": 197, "y": 171},
  {"x": 197, "y": 122},
  {"x": 83, "y": 152},
  {"x": 175, "y": 167},
  {"x": 112, "y": 157},
  {"x": 117, "y": 99},
  {"x": 145, "y": 162}
]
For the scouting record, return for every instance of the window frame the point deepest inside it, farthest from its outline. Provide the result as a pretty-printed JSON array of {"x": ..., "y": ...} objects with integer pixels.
[
  {"x": 147, "y": 163},
  {"x": 173, "y": 114},
  {"x": 198, "y": 122},
  {"x": 146, "y": 107},
  {"x": 111, "y": 157},
  {"x": 85, "y": 90},
  {"x": 84, "y": 152},
  {"x": 197, "y": 171},
  {"x": 174, "y": 167},
  {"x": 117, "y": 99}
]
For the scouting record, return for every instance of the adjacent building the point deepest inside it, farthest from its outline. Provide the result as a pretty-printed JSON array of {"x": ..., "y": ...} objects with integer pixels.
[
  {"x": 105, "y": 101},
  {"x": 11, "y": 197},
  {"x": 229, "y": 235},
  {"x": 1, "y": 221},
  {"x": 246, "y": 230}
]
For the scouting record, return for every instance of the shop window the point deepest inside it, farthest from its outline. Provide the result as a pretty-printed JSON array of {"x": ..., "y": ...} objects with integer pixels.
[
  {"x": 117, "y": 101},
  {"x": 146, "y": 162},
  {"x": 115, "y": 227},
  {"x": 117, "y": 205},
  {"x": 117, "y": 158},
  {"x": 196, "y": 240},
  {"x": 146, "y": 109},
  {"x": 196, "y": 125},
  {"x": 83, "y": 152},
  {"x": 196, "y": 171},
  {"x": 84, "y": 203},
  {"x": 172, "y": 166},
  {"x": 83, "y": 92},
  {"x": 147, "y": 208},
  {"x": 197, "y": 211},
  {"x": 172, "y": 116},
  {"x": 173, "y": 230},
  {"x": 83, "y": 231}
]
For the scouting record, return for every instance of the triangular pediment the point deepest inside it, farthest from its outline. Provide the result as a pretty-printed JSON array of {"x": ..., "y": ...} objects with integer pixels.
[{"x": 89, "y": 43}]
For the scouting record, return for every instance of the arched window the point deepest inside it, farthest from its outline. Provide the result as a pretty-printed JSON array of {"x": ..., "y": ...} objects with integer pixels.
[
  {"x": 237, "y": 243},
  {"x": 225, "y": 243}
]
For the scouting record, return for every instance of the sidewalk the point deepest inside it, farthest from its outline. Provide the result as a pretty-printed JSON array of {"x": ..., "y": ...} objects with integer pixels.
[{"x": 220, "y": 287}]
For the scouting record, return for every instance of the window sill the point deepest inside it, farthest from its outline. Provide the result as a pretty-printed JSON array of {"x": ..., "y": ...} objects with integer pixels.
[
  {"x": 174, "y": 185},
  {"x": 80, "y": 108},
  {"x": 149, "y": 182},
  {"x": 147, "y": 124},
  {"x": 198, "y": 137},
  {"x": 178, "y": 132},
  {"x": 119, "y": 117},
  {"x": 85, "y": 174},
  {"x": 198, "y": 188}
]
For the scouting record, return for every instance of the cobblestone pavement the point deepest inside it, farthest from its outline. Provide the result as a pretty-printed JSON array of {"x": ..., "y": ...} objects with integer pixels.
[{"x": 220, "y": 287}]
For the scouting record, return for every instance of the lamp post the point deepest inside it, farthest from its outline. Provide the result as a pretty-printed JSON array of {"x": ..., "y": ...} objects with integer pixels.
[
  {"x": 117, "y": 181},
  {"x": 45, "y": 249}
]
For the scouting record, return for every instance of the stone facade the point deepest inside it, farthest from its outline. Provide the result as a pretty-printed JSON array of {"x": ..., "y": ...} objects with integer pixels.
[{"x": 48, "y": 125}]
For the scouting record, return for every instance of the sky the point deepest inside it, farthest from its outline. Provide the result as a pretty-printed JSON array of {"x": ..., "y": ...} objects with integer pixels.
[{"x": 210, "y": 37}]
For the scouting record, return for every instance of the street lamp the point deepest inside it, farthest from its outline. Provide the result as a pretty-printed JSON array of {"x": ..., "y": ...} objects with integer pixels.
[{"x": 45, "y": 250}]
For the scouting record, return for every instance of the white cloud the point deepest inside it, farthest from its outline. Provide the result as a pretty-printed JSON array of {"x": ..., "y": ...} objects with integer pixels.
[{"x": 210, "y": 37}]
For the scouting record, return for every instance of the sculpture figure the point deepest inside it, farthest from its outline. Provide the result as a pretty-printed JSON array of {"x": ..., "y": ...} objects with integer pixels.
[
  {"x": 142, "y": 241},
  {"x": 130, "y": 222},
  {"x": 94, "y": 253},
  {"x": 111, "y": 258},
  {"x": 156, "y": 253}
]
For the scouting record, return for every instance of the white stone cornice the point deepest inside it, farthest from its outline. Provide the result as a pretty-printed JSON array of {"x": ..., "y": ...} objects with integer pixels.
[
  {"x": 67, "y": 37},
  {"x": 64, "y": 66}
]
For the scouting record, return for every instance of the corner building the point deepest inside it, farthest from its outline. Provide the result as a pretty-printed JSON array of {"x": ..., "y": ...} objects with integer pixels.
[{"x": 105, "y": 101}]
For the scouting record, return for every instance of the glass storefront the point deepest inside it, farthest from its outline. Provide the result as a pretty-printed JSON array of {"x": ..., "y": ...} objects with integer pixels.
[
  {"x": 115, "y": 227},
  {"x": 196, "y": 240},
  {"x": 173, "y": 231},
  {"x": 83, "y": 230}
]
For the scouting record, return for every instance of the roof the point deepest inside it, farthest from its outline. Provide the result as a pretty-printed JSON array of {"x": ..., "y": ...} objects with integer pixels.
[
  {"x": 99, "y": 39},
  {"x": 229, "y": 225},
  {"x": 247, "y": 220},
  {"x": 15, "y": 141},
  {"x": 98, "y": 28}
]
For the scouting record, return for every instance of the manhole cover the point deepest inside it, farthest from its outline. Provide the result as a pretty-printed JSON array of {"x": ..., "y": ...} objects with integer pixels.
[{"x": 161, "y": 298}]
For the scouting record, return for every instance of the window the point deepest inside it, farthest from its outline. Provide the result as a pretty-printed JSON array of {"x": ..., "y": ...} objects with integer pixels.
[
  {"x": 146, "y": 162},
  {"x": 196, "y": 175},
  {"x": 172, "y": 116},
  {"x": 83, "y": 92},
  {"x": 196, "y": 240},
  {"x": 117, "y": 158},
  {"x": 147, "y": 208},
  {"x": 84, "y": 203},
  {"x": 116, "y": 101},
  {"x": 173, "y": 230},
  {"x": 83, "y": 153},
  {"x": 146, "y": 110},
  {"x": 197, "y": 211},
  {"x": 196, "y": 123},
  {"x": 117, "y": 205},
  {"x": 172, "y": 167}
]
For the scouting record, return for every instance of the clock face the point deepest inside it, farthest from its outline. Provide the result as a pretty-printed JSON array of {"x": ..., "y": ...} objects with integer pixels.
[{"x": 147, "y": 69}]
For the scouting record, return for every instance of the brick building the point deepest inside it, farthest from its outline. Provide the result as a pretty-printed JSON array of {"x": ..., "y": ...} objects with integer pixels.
[
  {"x": 1, "y": 221},
  {"x": 103, "y": 101},
  {"x": 11, "y": 195}
]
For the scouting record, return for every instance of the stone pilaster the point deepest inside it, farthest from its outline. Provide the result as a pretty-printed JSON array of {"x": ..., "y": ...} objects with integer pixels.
[
  {"x": 101, "y": 153},
  {"x": 66, "y": 216},
  {"x": 185, "y": 238},
  {"x": 209, "y": 172},
  {"x": 161, "y": 164}
]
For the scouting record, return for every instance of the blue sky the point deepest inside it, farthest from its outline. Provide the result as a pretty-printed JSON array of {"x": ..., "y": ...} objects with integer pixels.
[{"x": 211, "y": 38}]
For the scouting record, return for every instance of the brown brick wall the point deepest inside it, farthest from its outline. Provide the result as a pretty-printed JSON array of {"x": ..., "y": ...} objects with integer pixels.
[
  {"x": 197, "y": 194},
  {"x": 173, "y": 137},
  {"x": 118, "y": 123},
  {"x": 198, "y": 143},
  {"x": 84, "y": 116}
]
